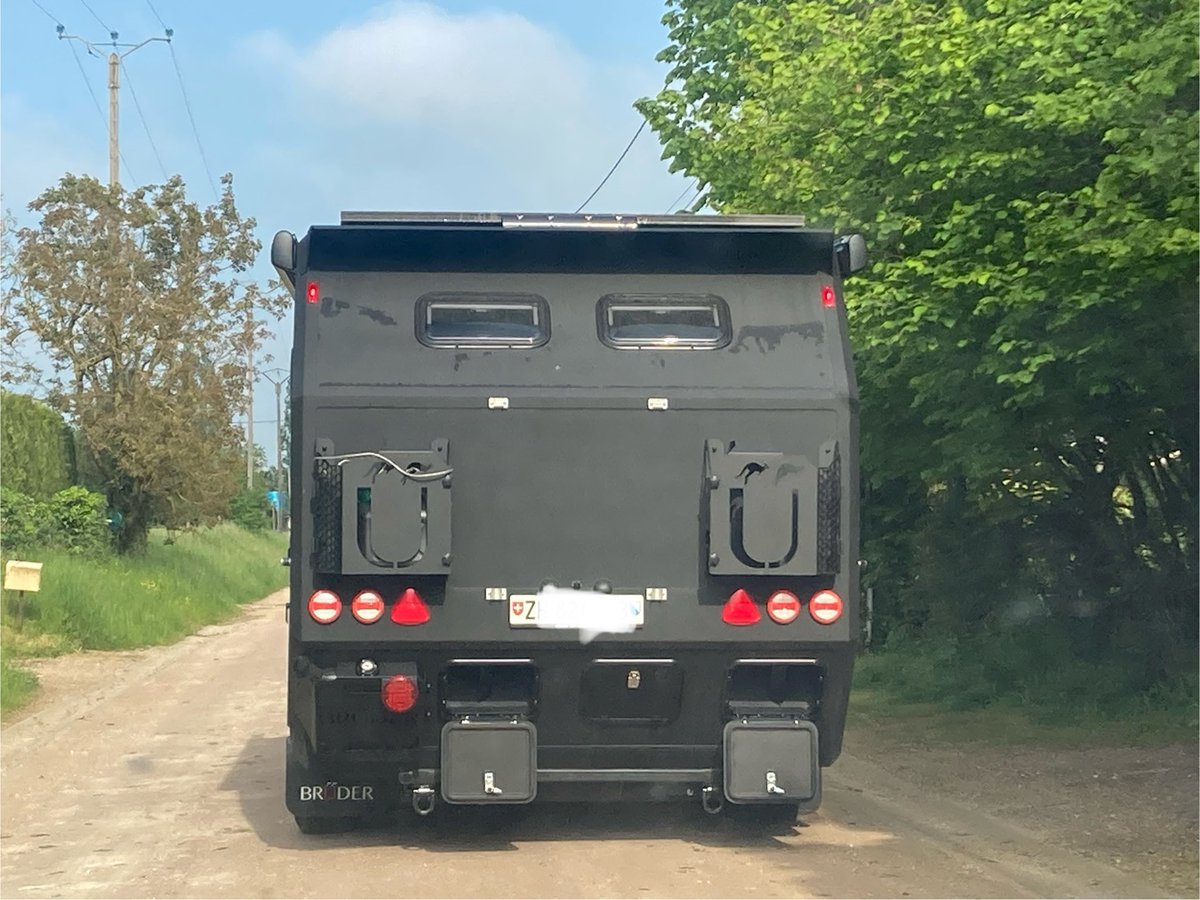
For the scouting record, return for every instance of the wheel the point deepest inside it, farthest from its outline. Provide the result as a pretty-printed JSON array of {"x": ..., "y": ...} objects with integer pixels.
[{"x": 327, "y": 824}]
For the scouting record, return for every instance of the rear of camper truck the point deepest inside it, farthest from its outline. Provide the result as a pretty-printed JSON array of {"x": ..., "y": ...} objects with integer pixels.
[{"x": 575, "y": 512}]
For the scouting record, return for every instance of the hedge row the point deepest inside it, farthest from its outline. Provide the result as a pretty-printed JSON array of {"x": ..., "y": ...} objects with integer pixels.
[{"x": 37, "y": 449}]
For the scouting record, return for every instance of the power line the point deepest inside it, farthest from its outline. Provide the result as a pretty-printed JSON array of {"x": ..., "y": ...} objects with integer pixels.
[
  {"x": 156, "y": 15},
  {"x": 96, "y": 17},
  {"x": 46, "y": 11},
  {"x": 675, "y": 203},
  {"x": 195, "y": 131},
  {"x": 145, "y": 125},
  {"x": 604, "y": 180}
]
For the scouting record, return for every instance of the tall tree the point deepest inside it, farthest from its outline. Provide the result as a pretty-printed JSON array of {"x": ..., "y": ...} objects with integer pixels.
[
  {"x": 1026, "y": 175},
  {"x": 141, "y": 302}
]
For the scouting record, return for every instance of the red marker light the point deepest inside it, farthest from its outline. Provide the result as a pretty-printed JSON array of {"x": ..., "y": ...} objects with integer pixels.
[
  {"x": 313, "y": 294},
  {"x": 324, "y": 607},
  {"x": 739, "y": 609},
  {"x": 367, "y": 607},
  {"x": 399, "y": 693},
  {"x": 825, "y": 607},
  {"x": 783, "y": 607},
  {"x": 828, "y": 297},
  {"x": 410, "y": 609}
]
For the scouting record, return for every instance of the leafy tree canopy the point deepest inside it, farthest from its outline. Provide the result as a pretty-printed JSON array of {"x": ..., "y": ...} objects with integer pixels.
[
  {"x": 141, "y": 302},
  {"x": 1026, "y": 176}
]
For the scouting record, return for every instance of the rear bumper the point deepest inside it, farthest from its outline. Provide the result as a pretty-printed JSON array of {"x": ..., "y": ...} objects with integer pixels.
[{"x": 598, "y": 737}]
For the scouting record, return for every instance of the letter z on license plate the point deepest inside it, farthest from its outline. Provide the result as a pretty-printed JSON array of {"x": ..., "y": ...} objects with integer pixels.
[{"x": 586, "y": 610}]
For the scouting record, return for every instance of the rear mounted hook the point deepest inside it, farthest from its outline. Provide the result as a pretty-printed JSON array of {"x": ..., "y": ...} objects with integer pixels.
[
  {"x": 712, "y": 800},
  {"x": 423, "y": 800}
]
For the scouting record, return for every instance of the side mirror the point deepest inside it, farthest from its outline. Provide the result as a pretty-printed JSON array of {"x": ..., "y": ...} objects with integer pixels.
[
  {"x": 283, "y": 258},
  {"x": 851, "y": 253}
]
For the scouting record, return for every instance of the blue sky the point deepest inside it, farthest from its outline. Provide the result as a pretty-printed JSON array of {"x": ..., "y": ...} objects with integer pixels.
[{"x": 317, "y": 107}]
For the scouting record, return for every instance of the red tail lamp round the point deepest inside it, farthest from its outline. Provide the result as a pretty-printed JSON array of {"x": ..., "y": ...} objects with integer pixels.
[
  {"x": 783, "y": 607},
  {"x": 399, "y": 693},
  {"x": 826, "y": 607},
  {"x": 367, "y": 607},
  {"x": 410, "y": 609},
  {"x": 828, "y": 297},
  {"x": 740, "y": 609},
  {"x": 313, "y": 293},
  {"x": 324, "y": 607}
]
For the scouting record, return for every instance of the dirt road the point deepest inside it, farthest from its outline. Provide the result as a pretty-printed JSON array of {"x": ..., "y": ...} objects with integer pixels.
[{"x": 160, "y": 774}]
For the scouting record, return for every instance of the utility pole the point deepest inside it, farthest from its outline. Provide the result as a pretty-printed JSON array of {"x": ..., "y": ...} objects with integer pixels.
[
  {"x": 279, "y": 380},
  {"x": 250, "y": 379},
  {"x": 114, "y": 88},
  {"x": 114, "y": 108}
]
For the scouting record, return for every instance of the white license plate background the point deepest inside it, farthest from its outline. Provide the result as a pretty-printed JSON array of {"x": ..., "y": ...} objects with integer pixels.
[{"x": 586, "y": 610}]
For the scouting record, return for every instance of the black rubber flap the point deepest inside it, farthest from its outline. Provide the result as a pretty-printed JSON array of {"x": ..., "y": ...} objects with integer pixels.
[
  {"x": 771, "y": 761},
  {"x": 489, "y": 762}
]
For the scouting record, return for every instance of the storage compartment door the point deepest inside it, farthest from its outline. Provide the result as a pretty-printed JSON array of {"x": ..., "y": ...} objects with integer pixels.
[
  {"x": 489, "y": 762},
  {"x": 772, "y": 761}
]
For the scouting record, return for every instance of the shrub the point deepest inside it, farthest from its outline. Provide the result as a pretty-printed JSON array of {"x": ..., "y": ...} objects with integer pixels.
[
  {"x": 24, "y": 521},
  {"x": 78, "y": 522},
  {"x": 73, "y": 519},
  {"x": 250, "y": 510}
]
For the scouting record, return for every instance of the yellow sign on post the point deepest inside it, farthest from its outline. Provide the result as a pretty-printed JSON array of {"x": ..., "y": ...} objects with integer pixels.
[{"x": 22, "y": 576}]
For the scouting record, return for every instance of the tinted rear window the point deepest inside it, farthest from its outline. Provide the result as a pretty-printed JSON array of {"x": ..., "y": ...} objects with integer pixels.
[
  {"x": 482, "y": 320},
  {"x": 664, "y": 322}
]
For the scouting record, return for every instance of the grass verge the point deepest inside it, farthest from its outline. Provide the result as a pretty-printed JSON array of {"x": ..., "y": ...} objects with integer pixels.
[
  {"x": 916, "y": 694},
  {"x": 117, "y": 603}
]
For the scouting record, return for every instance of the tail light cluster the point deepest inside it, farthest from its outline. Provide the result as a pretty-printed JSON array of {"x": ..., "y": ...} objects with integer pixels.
[
  {"x": 368, "y": 607},
  {"x": 825, "y": 606}
]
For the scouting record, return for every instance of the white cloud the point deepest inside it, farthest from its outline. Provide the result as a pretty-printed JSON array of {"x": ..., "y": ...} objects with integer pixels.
[{"x": 416, "y": 107}]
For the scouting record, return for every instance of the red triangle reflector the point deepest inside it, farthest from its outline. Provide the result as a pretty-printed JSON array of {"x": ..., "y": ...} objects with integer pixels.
[
  {"x": 410, "y": 609},
  {"x": 740, "y": 610}
]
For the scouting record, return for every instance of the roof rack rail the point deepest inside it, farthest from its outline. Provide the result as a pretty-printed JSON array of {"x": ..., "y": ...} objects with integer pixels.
[{"x": 571, "y": 220}]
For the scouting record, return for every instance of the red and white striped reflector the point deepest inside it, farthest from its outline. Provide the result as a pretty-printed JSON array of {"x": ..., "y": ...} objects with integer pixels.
[
  {"x": 783, "y": 607},
  {"x": 324, "y": 607},
  {"x": 367, "y": 607},
  {"x": 826, "y": 607}
]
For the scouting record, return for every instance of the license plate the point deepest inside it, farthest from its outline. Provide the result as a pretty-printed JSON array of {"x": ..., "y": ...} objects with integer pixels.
[{"x": 586, "y": 610}]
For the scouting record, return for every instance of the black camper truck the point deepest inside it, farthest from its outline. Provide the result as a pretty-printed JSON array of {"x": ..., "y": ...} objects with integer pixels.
[{"x": 575, "y": 511}]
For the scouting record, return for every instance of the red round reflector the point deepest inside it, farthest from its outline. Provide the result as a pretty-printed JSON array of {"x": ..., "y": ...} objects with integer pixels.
[
  {"x": 410, "y": 609},
  {"x": 783, "y": 607},
  {"x": 313, "y": 294},
  {"x": 399, "y": 693},
  {"x": 324, "y": 606},
  {"x": 828, "y": 297},
  {"x": 367, "y": 607},
  {"x": 739, "y": 609},
  {"x": 826, "y": 607}
]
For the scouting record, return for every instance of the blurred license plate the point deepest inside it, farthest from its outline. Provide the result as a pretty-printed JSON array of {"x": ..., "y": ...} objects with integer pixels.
[{"x": 587, "y": 610}]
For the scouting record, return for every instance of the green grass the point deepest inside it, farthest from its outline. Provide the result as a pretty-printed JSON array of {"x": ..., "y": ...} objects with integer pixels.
[
  {"x": 922, "y": 690},
  {"x": 16, "y": 685},
  {"x": 117, "y": 603}
]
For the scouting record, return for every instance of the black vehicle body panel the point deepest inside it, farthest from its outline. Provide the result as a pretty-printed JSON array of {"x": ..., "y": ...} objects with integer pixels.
[{"x": 574, "y": 463}]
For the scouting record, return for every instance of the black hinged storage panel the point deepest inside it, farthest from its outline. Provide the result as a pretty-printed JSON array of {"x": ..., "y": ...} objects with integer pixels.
[
  {"x": 489, "y": 762},
  {"x": 772, "y": 761}
]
